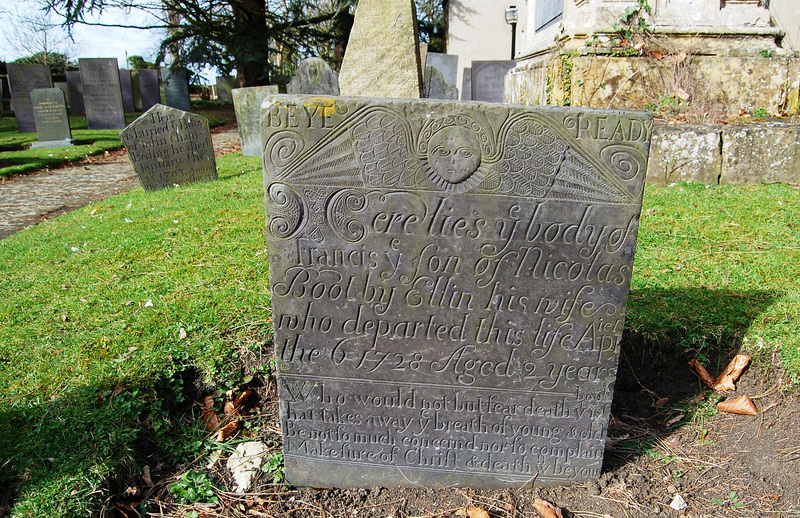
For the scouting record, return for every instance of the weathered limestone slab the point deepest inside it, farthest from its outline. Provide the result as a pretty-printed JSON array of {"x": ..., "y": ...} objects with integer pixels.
[
  {"x": 224, "y": 86},
  {"x": 126, "y": 87},
  {"x": 247, "y": 106},
  {"x": 50, "y": 114},
  {"x": 75, "y": 92},
  {"x": 149, "y": 88},
  {"x": 760, "y": 154},
  {"x": 314, "y": 76},
  {"x": 176, "y": 88},
  {"x": 488, "y": 79},
  {"x": 685, "y": 153},
  {"x": 170, "y": 147},
  {"x": 382, "y": 58},
  {"x": 102, "y": 95},
  {"x": 449, "y": 284},
  {"x": 22, "y": 80}
]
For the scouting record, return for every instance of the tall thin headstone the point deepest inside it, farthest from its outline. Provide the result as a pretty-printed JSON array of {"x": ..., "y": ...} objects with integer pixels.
[
  {"x": 488, "y": 79},
  {"x": 75, "y": 92},
  {"x": 52, "y": 122},
  {"x": 137, "y": 92},
  {"x": 149, "y": 88},
  {"x": 22, "y": 80},
  {"x": 176, "y": 88},
  {"x": 247, "y": 105},
  {"x": 62, "y": 85},
  {"x": 170, "y": 147},
  {"x": 466, "y": 85},
  {"x": 126, "y": 87},
  {"x": 102, "y": 95},
  {"x": 382, "y": 57},
  {"x": 314, "y": 76},
  {"x": 224, "y": 86},
  {"x": 449, "y": 284}
]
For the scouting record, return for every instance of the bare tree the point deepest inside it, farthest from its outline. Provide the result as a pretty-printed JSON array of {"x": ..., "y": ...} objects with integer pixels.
[{"x": 34, "y": 34}]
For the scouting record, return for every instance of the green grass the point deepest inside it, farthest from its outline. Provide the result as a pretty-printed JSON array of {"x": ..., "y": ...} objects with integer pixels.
[
  {"x": 94, "y": 376},
  {"x": 16, "y": 159}
]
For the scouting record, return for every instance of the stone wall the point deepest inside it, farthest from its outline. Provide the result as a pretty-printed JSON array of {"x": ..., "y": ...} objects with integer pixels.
[{"x": 716, "y": 154}]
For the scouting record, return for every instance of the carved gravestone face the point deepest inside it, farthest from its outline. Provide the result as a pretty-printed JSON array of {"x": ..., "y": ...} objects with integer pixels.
[
  {"x": 22, "y": 80},
  {"x": 170, "y": 147},
  {"x": 448, "y": 285},
  {"x": 314, "y": 76},
  {"x": 50, "y": 113},
  {"x": 176, "y": 88},
  {"x": 102, "y": 95},
  {"x": 488, "y": 79},
  {"x": 149, "y": 88}
]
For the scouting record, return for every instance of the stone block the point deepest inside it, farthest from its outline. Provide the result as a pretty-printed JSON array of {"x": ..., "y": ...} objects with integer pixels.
[
  {"x": 760, "y": 154},
  {"x": 685, "y": 152}
]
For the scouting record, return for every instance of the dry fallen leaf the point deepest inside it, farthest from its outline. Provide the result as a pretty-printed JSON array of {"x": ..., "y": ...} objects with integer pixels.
[
  {"x": 705, "y": 377},
  {"x": 661, "y": 402},
  {"x": 681, "y": 94},
  {"x": 741, "y": 405},
  {"x": 658, "y": 55},
  {"x": 242, "y": 397},
  {"x": 229, "y": 407},
  {"x": 546, "y": 509},
  {"x": 227, "y": 430},
  {"x": 477, "y": 512},
  {"x": 146, "y": 476},
  {"x": 210, "y": 418},
  {"x": 208, "y": 402},
  {"x": 726, "y": 380}
]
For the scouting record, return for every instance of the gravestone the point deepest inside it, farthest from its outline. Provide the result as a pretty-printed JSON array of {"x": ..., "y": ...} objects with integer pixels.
[
  {"x": 247, "y": 105},
  {"x": 149, "y": 88},
  {"x": 436, "y": 87},
  {"x": 170, "y": 147},
  {"x": 137, "y": 92},
  {"x": 447, "y": 64},
  {"x": 126, "y": 87},
  {"x": 50, "y": 114},
  {"x": 102, "y": 95},
  {"x": 62, "y": 85},
  {"x": 488, "y": 79},
  {"x": 466, "y": 85},
  {"x": 75, "y": 92},
  {"x": 176, "y": 88},
  {"x": 382, "y": 57},
  {"x": 224, "y": 86},
  {"x": 449, "y": 284},
  {"x": 442, "y": 85},
  {"x": 314, "y": 76},
  {"x": 22, "y": 80}
]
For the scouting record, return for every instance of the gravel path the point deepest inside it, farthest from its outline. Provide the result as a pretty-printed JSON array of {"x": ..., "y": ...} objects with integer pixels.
[{"x": 31, "y": 199}]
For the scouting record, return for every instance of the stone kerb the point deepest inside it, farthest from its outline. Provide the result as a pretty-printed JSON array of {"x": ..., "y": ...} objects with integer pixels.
[
  {"x": 449, "y": 283},
  {"x": 169, "y": 147}
]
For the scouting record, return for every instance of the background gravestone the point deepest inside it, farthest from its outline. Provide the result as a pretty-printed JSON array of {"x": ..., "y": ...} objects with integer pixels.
[
  {"x": 441, "y": 85},
  {"x": 22, "y": 80},
  {"x": 52, "y": 122},
  {"x": 436, "y": 87},
  {"x": 62, "y": 85},
  {"x": 169, "y": 147},
  {"x": 488, "y": 79},
  {"x": 447, "y": 64},
  {"x": 224, "y": 86},
  {"x": 75, "y": 92},
  {"x": 314, "y": 76},
  {"x": 126, "y": 87},
  {"x": 137, "y": 92},
  {"x": 176, "y": 88},
  {"x": 449, "y": 284},
  {"x": 466, "y": 85},
  {"x": 102, "y": 95},
  {"x": 382, "y": 57},
  {"x": 247, "y": 105},
  {"x": 149, "y": 88}
]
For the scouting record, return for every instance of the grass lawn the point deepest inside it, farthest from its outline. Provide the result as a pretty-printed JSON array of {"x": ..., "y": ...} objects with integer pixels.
[{"x": 96, "y": 373}]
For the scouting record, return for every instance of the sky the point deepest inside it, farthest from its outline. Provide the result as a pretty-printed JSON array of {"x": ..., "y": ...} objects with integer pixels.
[{"x": 90, "y": 41}]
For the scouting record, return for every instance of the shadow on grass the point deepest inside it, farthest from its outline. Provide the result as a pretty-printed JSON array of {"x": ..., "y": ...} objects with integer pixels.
[{"x": 665, "y": 329}]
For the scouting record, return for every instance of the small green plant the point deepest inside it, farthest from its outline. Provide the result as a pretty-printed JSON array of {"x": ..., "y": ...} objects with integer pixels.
[
  {"x": 193, "y": 486},
  {"x": 765, "y": 53},
  {"x": 761, "y": 113},
  {"x": 632, "y": 21},
  {"x": 274, "y": 466}
]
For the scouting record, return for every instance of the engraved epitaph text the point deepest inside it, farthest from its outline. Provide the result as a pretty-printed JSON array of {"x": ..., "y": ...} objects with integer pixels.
[{"x": 449, "y": 283}]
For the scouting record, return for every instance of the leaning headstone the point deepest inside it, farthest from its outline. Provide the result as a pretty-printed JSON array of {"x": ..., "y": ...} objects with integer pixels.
[
  {"x": 126, "y": 86},
  {"x": 176, "y": 88},
  {"x": 382, "y": 57},
  {"x": 224, "y": 86},
  {"x": 449, "y": 284},
  {"x": 447, "y": 64},
  {"x": 22, "y": 80},
  {"x": 488, "y": 79},
  {"x": 466, "y": 85},
  {"x": 148, "y": 86},
  {"x": 62, "y": 85},
  {"x": 170, "y": 147},
  {"x": 50, "y": 114},
  {"x": 314, "y": 76},
  {"x": 75, "y": 92},
  {"x": 102, "y": 95},
  {"x": 247, "y": 105}
]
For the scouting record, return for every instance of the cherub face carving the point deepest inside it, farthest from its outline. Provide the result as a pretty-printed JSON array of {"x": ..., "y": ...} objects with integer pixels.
[{"x": 453, "y": 153}]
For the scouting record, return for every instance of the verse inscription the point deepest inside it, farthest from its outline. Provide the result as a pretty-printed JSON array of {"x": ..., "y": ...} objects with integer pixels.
[
  {"x": 449, "y": 285},
  {"x": 170, "y": 147}
]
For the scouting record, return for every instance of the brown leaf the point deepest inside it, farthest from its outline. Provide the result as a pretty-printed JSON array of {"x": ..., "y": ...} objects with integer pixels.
[
  {"x": 227, "y": 430},
  {"x": 546, "y": 509},
  {"x": 208, "y": 402},
  {"x": 658, "y": 55},
  {"x": 477, "y": 512},
  {"x": 242, "y": 397},
  {"x": 229, "y": 408},
  {"x": 741, "y": 405},
  {"x": 210, "y": 418},
  {"x": 661, "y": 402},
  {"x": 681, "y": 94},
  {"x": 726, "y": 380},
  {"x": 705, "y": 377},
  {"x": 146, "y": 476}
]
